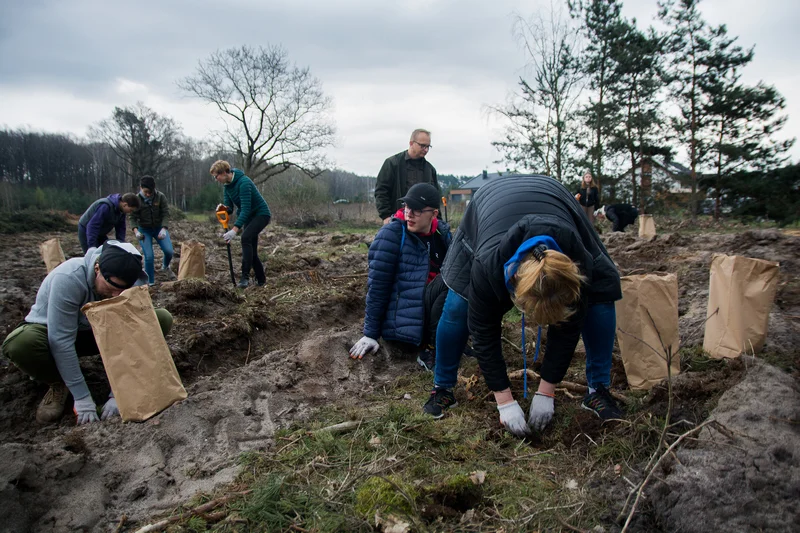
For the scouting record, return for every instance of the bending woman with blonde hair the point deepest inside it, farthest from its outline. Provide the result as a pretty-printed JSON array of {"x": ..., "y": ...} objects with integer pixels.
[{"x": 524, "y": 241}]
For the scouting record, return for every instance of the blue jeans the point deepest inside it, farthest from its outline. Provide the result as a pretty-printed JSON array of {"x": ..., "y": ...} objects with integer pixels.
[
  {"x": 598, "y": 339},
  {"x": 598, "y": 333},
  {"x": 451, "y": 338},
  {"x": 150, "y": 235}
]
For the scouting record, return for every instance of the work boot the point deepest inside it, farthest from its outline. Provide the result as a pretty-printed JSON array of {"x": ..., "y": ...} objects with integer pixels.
[
  {"x": 602, "y": 404},
  {"x": 440, "y": 401},
  {"x": 51, "y": 408},
  {"x": 170, "y": 274},
  {"x": 243, "y": 283}
]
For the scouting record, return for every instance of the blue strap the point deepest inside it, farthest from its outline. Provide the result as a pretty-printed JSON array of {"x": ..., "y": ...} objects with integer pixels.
[{"x": 525, "y": 361}]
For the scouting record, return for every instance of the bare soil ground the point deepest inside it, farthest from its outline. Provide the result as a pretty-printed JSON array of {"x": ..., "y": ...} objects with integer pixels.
[{"x": 271, "y": 357}]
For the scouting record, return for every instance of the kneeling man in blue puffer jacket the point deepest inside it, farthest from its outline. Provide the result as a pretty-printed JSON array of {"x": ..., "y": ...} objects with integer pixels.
[{"x": 405, "y": 293}]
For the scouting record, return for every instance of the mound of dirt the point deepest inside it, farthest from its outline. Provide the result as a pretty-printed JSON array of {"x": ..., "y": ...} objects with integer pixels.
[
  {"x": 749, "y": 479},
  {"x": 86, "y": 478}
]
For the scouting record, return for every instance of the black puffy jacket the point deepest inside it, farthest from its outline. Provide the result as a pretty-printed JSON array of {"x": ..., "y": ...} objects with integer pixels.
[{"x": 503, "y": 214}]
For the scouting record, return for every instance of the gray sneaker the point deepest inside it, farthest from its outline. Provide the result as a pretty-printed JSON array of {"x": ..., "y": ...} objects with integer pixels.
[{"x": 51, "y": 408}]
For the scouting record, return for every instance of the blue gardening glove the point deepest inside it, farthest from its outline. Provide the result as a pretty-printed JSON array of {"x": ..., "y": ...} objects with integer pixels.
[
  {"x": 138, "y": 234},
  {"x": 541, "y": 411},
  {"x": 162, "y": 234},
  {"x": 229, "y": 236},
  {"x": 110, "y": 408},
  {"x": 364, "y": 346},
  {"x": 513, "y": 418},
  {"x": 85, "y": 410}
]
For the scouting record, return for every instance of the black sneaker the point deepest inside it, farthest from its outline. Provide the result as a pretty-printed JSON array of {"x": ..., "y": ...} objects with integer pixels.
[
  {"x": 261, "y": 283},
  {"x": 426, "y": 360},
  {"x": 602, "y": 404},
  {"x": 243, "y": 283},
  {"x": 440, "y": 401}
]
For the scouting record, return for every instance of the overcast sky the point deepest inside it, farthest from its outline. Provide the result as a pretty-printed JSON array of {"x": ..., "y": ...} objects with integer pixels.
[{"x": 389, "y": 66}]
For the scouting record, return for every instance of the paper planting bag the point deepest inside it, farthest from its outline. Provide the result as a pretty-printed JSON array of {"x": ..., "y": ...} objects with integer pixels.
[
  {"x": 52, "y": 253},
  {"x": 647, "y": 227},
  {"x": 740, "y": 295},
  {"x": 135, "y": 355},
  {"x": 193, "y": 260},
  {"x": 657, "y": 295}
]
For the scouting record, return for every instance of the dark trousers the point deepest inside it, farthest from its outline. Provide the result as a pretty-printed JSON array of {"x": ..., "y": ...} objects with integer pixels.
[
  {"x": 84, "y": 241},
  {"x": 250, "y": 258},
  {"x": 435, "y": 294}
]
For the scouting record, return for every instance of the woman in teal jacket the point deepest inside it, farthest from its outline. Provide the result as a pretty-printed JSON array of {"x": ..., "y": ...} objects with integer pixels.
[{"x": 253, "y": 216}]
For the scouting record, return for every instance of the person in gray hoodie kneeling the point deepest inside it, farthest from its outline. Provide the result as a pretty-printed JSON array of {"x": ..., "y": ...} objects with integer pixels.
[{"x": 47, "y": 345}]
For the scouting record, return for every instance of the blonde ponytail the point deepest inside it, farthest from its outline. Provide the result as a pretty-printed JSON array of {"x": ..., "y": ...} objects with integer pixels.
[{"x": 547, "y": 291}]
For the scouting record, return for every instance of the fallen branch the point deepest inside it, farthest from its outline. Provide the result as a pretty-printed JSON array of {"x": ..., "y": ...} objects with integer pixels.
[
  {"x": 568, "y": 385},
  {"x": 517, "y": 348},
  {"x": 284, "y": 293},
  {"x": 208, "y": 506},
  {"x": 346, "y": 276},
  {"x": 122, "y": 520},
  {"x": 643, "y": 484},
  {"x": 275, "y": 249},
  {"x": 340, "y": 428}
]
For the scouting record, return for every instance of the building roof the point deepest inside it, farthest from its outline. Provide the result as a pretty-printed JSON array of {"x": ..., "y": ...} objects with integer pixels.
[{"x": 485, "y": 177}]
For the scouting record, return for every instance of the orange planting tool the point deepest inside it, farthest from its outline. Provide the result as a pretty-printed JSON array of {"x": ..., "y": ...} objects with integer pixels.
[{"x": 224, "y": 219}]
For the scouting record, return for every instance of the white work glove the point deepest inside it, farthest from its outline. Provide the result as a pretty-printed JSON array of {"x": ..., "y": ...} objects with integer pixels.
[
  {"x": 85, "y": 410},
  {"x": 110, "y": 408},
  {"x": 229, "y": 236},
  {"x": 138, "y": 234},
  {"x": 541, "y": 412},
  {"x": 513, "y": 418},
  {"x": 364, "y": 346},
  {"x": 162, "y": 234}
]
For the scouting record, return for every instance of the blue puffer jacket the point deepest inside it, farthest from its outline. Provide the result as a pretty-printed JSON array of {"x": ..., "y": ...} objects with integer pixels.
[{"x": 398, "y": 271}]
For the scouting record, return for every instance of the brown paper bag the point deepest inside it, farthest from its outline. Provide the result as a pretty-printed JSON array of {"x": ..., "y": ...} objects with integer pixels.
[
  {"x": 647, "y": 227},
  {"x": 740, "y": 295},
  {"x": 52, "y": 253},
  {"x": 136, "y": 357},
  {"x": 193, "y": 260},
  {"x": 657, "y": 295}
]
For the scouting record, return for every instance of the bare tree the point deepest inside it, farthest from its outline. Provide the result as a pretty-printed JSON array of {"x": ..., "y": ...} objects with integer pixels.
[
  {"x": 143, "y": 141},
  {"x": 542, "y": 127},
  {"x": 275, "y": 114}
]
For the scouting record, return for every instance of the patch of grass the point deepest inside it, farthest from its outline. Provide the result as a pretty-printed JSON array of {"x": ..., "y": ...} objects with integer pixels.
[
  {"x": 34, "y": 220},
  {"x": 695, "y": 359},
  {"x": 789, "y": 363}
]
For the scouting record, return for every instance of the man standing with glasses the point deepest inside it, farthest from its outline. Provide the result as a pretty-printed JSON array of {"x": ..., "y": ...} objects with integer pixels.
[
  {"x": 402, "y": 171},
  {"x": 405, "y": 293}
]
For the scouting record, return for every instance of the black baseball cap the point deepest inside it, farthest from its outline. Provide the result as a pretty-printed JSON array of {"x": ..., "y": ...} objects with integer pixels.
[
  {"x": 117, "y": 261},
  {"x": 422, "y": 195}
]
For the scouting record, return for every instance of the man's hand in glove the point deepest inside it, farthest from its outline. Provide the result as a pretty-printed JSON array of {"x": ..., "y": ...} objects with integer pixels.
[
  {"x": 513, "y": 418},
  {"x": 110, "y": 408},
  {"x": 229, "y": 235},
  {"x": 162, "y": 234},
  {"x": 364, "y": 346},
  {"x": 85, "y": 410},
  {"x": 138, "y": 234},
  {"x": 541, "y": 411}
]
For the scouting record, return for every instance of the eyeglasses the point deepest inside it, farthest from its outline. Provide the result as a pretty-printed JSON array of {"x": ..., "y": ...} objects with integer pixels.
[
  {"x": 416, "y": 212},
  {"x": 116, "y": 285},
  {"x": 424, "y": 146}
]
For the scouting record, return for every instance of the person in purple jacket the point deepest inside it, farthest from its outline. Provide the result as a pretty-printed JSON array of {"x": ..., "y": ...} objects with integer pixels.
[{"x": 104, "y": 215}]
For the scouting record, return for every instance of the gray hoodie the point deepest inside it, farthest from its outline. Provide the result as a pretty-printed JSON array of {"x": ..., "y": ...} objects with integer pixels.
[{"x": 66, "y": 289}]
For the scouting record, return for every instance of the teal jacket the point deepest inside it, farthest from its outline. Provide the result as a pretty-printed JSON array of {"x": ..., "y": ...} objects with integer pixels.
[{"x": 242, "y": 193}]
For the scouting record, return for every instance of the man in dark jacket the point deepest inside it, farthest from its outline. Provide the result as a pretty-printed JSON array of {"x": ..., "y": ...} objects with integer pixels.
[
  {"x": 104, "y": 215},
  {"x": 150, "y": 222},
  {"x": 405, "y": 292},
  {"x": 505, "y": 216},
  {"x": 401, "y": 171},
  {"x": 620, "y": 215}
]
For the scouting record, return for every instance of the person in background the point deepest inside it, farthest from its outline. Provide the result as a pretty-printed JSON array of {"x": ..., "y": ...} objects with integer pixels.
[
  {"x": 253, "y": 217},
  {"x": 405, "y": 292},
  {"x": 402, "y": 171},
  {"x": 56, "y": 333},
  {"x": 150, "y": 222},
  {"x": 524, "y": 241},
  {"x": 104, "y": 215},
  {"x": 588, "y": 196},
  {"x": 620, "y": 215}
]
